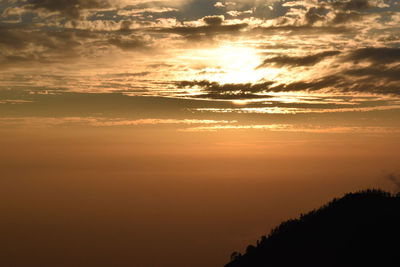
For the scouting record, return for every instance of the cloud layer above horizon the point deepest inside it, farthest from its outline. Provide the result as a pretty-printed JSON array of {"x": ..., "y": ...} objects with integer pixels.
[{"x": 248, "y": 52}]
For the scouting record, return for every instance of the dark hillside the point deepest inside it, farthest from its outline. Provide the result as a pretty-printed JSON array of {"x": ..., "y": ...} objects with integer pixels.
[{"x": 360, "y": 229}]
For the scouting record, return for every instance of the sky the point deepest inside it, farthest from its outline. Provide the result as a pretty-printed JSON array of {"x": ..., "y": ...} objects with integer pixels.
[{"x": 172, "y": 133}]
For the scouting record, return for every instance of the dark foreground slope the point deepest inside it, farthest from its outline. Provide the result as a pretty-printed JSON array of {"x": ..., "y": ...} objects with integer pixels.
[{"x": 360, "y": 229}]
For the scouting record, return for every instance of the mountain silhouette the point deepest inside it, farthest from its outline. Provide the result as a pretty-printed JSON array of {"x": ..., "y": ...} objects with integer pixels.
[{"x": 359, "y": 229}]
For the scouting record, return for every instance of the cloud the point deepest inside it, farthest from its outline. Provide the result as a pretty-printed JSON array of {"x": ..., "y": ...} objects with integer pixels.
[
  {"x": 352, "y": 5},
  {"x": 344, "y": 17},
  {"x": 352, "y": 10},
  {"x": 388, "y": 74},
  {"x": 299, "y": 129},
  {"x": 131, "y": 43},
  {"x": 109, "y": 123},
  {"x": 280, "y": 108},
  {"x": 326, "y": 14},
  {"x": 358, "y": 38},
  {"x": 326, "y": 82},
  {"x": 382, "y": 76},
  {"x": 303, "y": 30},
  {"x": 214, "y": 25},
  {"x": 364, "y": 80},
  {"x": 376, "y": 55},
  {"x": 21, "y": 44},
  {"x": 215, "y": 87},
  {"x": 308, "y": 60},
  {"x": 315, "y": 14},
  {"x": 345, "y": 74},
  {"x": 69, "y": 8},
  {"x": 228, "y": 89},
  {"x": 214, "y": 20},
  {"x": 100, "y": 122},
  {"x": 12, "y": 37},
  {"x": 14, "y": 101}
]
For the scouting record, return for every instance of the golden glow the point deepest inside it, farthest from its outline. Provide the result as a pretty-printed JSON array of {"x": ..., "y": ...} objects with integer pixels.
[
  {"x": 231, "y": 63},
  {"x": 240, "y": 102},
  {"x": 239, "y": 63}
]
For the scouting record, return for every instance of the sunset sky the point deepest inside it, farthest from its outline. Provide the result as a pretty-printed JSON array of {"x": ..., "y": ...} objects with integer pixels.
[{"x": 171, "y": 133}]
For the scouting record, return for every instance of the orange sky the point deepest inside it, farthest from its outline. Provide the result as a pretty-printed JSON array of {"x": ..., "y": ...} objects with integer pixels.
[{"x": 153, "y": 196}]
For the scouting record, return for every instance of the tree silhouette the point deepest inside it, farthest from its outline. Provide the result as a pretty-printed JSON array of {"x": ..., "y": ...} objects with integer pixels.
[
  {"x": 235, "y": 255},
  {"x": 359, "y": 229}
]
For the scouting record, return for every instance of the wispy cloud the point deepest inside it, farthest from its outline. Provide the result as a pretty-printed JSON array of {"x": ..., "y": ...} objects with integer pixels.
[
  {"x": 99, "y": 122},
  {"x": 155, "y": 122},
  {"x": 289, "y": 110},
  {"x": 297, "y": 129}
]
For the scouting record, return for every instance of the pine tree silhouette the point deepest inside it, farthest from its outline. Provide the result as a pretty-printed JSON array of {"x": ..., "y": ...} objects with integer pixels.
[{"x": 359, "y": 229}]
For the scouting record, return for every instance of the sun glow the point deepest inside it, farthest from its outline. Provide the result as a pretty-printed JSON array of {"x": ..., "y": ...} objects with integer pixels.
[
  {"x": 240, "y": 102},
  {"x": 240, "y": 64},
  {"x": 229, "y": 64}
]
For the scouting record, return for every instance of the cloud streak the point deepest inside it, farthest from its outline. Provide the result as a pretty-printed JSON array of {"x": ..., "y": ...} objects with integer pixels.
[
  {"x": 299, "y": 61},
  {"x": 69, "y": 8},
  {"x": 40, "y": 122}
]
